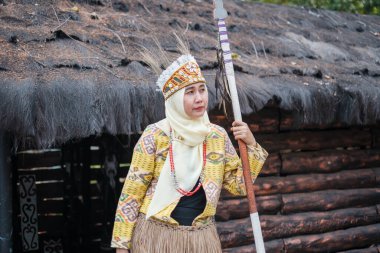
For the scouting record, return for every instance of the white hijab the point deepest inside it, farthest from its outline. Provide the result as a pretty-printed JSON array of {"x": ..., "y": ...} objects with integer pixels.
[{"x": 188, "y": 136}]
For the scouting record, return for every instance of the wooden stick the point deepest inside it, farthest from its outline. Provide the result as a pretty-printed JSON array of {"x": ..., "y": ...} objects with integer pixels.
[{"x": 220, "y": 14}]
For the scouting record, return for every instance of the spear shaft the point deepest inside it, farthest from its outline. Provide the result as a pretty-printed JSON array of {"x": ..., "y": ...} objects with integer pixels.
[{"x": 220, "y": 14}]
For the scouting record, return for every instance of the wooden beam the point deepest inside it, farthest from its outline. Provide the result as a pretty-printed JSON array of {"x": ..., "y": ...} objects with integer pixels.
[
  {"x": 316, "y": 182},
  {"x": 329, "y": 200},
  {"x": 357, "y": 237},
  {"x": 50, "y": 190},
  {"x": 320, "y": 243},
  {"x": 274, "y": 246},
  {"x": 282, "y": 226},
  {"x": 272, "y": 165},
  {"x": 327, "y": 161},
  {"x": 288, "y": 123},
  {"x": 362, "y": 178},
  {"x": 238, "y": 208},
  {"x": 315, "y": 140},
  {"x": 44, "y": 174},
  {"x": 371, "y": 249},
  {"x": 239, "y": 232},
  {"x": 39, "y": 158}
]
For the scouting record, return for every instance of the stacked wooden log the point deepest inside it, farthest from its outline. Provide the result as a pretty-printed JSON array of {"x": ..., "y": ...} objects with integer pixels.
[{"x": 319, "y": 190}]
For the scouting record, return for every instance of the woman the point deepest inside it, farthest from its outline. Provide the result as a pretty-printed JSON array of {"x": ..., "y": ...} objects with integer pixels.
[{"x": 178, "y": 169}]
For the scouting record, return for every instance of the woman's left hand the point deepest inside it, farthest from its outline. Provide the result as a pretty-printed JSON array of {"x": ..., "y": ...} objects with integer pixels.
[{"x": 242, "y": 132}]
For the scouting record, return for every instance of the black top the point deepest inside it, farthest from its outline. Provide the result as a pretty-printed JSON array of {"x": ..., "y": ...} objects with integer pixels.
[{"x": 190, "y": 207}]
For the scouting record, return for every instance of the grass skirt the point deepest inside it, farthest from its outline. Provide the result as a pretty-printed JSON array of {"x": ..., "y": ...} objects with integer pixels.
[{"x": 152, "y": 236}]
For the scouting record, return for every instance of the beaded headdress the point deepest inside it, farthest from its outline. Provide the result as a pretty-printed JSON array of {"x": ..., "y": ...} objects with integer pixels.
[{"x": 182, "y": 72}]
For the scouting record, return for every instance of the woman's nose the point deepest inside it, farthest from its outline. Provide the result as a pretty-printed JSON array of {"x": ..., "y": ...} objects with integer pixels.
[{"x": 198, "y": 97}]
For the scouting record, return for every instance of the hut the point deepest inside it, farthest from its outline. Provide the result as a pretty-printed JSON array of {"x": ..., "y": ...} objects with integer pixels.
[{"x": 74, "y": 96}]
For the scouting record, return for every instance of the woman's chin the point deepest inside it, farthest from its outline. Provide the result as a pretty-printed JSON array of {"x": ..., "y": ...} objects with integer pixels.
[{"x": 197, "y": 115}]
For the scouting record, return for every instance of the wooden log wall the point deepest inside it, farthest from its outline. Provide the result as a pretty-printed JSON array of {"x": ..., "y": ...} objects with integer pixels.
[
  {"x": 319, "y": 190},
  {"x": 72, "y": 210}
]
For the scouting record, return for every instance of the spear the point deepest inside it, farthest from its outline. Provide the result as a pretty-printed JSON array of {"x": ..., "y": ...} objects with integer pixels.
[{"x": 220, "y": 14}]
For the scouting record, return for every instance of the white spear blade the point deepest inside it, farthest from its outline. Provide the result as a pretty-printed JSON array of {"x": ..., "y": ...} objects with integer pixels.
[
  {"x": 219, "y": 11},
  {"x": 257, "y": 234}
]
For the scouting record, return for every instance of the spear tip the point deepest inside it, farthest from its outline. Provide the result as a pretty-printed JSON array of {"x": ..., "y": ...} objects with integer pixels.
[{"x": 219, "y": 11}]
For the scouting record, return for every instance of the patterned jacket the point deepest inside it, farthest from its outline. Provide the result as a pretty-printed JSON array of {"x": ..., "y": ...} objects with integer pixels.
[{"x": 223, "y": 169}]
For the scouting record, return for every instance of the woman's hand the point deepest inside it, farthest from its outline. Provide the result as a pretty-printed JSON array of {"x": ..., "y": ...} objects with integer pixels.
[
  {"x": 122, "y": 251},
  {"x": 242, "y": 132}
]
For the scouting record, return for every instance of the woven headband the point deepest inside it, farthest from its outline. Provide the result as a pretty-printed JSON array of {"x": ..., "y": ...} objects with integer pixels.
[{"x": 182, "y": 72}]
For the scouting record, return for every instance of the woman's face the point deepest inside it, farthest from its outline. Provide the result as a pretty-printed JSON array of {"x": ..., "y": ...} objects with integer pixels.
[{"x": 195, "y": 100}]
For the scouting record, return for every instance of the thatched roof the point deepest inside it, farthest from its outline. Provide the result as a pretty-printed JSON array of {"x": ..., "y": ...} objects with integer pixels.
[{"x": 70, "y": 69}]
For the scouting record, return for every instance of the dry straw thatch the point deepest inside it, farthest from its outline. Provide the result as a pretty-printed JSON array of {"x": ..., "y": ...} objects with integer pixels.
[{"x": 70, "y": 69}]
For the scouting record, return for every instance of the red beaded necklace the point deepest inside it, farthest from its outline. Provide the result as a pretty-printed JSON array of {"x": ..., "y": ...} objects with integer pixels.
[{"x": 172, "y": 169}]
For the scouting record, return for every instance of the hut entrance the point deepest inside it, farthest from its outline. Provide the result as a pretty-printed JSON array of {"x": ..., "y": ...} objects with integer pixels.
[{"x": 65, "y": 197}]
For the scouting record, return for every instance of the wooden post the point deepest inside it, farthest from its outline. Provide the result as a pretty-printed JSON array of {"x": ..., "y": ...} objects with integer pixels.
[{"x": 5, "y": 194}]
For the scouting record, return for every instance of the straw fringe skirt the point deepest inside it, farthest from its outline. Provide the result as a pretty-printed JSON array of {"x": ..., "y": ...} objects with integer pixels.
[{"x": 151, "y": 236}]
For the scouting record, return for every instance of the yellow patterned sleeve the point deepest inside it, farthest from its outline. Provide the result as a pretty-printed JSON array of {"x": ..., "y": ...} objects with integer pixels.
[
  {"x": 134, "y": 189},
  {"x": 233, "y": 171}
]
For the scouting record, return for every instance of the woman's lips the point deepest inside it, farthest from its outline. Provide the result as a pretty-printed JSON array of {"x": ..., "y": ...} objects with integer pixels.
[{"x": 198, "y": 109}]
